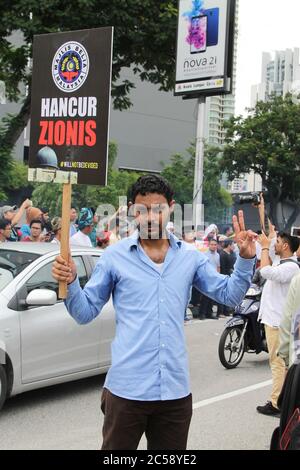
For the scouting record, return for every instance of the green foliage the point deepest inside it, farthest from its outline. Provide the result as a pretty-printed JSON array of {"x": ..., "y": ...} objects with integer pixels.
[
  {"x": 13, "y": 175},
  {"x": 180, "y": 174},
  {"x": 17, "y": 177},
  {"x": 144, "y": 37},
  {"x": 5, "y": 159},
  {"x": 267, "y": 142},
  {"x": 144, "y": 41},
  {"x": 87, "y": 195}
]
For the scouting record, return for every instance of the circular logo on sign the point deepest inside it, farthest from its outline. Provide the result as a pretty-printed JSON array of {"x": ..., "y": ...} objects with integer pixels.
[{"x": 70, "y": 66}]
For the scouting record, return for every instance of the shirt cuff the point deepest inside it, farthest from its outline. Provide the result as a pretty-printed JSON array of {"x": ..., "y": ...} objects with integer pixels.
[
  {"x": 243, "y": 264},
  {"x": 73, "y": 287}
]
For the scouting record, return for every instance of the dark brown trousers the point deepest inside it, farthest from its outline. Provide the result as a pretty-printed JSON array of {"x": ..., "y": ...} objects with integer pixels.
[{"x": 165, "y": 423}]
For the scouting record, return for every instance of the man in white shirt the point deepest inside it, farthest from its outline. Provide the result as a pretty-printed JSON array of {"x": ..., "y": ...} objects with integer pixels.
[
  {"x": 279, "y": 276},
  {"x": 85, "y": 227},
  {"x": 214, "y": 259},
  {"x": 73, "y": 218}
]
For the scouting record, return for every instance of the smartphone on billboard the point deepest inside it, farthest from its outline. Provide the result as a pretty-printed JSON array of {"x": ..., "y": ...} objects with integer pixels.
[
  {"x": 212, "y": 38},
  {"x": 198, "y": 34}
]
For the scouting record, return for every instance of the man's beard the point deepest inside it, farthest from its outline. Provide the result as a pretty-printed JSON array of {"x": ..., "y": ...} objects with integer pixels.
[{"x": 157, "y": 232}]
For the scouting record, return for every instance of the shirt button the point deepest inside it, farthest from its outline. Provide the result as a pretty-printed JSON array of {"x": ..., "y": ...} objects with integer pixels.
[
  {"x": 162, "y": 345},
  {"x": 163, "y": 322},
  {"x": 162, "y": 300}
]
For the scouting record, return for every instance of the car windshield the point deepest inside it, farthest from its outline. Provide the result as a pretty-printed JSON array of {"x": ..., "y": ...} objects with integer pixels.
[{"x": 12, "y": 263}]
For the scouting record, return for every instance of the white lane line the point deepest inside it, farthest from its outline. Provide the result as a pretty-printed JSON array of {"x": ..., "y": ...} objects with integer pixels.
[{"x": 225, "y": 396}]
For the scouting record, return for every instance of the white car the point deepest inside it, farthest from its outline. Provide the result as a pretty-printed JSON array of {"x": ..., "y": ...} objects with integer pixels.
[{"x": 40, "y": 343}]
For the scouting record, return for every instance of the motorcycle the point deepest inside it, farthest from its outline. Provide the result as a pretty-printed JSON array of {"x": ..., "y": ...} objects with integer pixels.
[{"x": 243, "y": 333}]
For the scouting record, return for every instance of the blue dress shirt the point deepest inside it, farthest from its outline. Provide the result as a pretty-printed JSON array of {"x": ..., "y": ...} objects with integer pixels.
[{"x": 149, "y": 355}]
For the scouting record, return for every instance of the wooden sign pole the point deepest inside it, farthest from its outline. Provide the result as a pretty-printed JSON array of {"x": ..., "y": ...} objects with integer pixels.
[
  {"x": 44, "y": 175},
  {"x": 65, "y": 233}
]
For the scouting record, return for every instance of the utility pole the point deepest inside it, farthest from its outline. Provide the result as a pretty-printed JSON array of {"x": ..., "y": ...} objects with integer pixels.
[{"x": 198, "y": 215}]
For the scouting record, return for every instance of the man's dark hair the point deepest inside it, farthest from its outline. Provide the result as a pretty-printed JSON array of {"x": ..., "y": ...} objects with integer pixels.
[
  {"x": 293, "y": 242},
  {"x": 44, "y": 210},
  {"x": 228, "y": 243},
  {"x": 36, "y": 221},
  {"x": 4, "y": 223},
  {"x": 151, "y": 184}
]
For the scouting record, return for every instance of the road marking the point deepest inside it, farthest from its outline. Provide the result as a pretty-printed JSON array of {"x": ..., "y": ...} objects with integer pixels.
[{"x": 225, "y": 396}]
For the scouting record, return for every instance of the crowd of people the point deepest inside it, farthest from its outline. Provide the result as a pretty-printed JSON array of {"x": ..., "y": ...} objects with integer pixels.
[
  {"x": 220, "y": 249},
  {"x": 39, "y": 227}
]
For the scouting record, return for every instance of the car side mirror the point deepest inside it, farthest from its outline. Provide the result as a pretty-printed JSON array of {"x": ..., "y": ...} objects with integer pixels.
[{"x": 40, "y": 297}]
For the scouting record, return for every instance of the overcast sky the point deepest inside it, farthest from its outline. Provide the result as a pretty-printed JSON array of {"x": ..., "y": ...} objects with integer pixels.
[{"x": 264, "y": 25}]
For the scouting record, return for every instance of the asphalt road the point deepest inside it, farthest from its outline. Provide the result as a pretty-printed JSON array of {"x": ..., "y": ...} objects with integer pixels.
[{"x": 68, "y": 416}]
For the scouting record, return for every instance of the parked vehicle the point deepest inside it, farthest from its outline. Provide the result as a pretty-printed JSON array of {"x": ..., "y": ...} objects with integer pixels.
[
  {"x": 243, "y": 333},
  {"x": 40, "y": 343}
]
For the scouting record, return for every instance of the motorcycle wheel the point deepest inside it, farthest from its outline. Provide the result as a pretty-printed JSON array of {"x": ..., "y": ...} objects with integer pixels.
[{"x": 229, "y": 354}]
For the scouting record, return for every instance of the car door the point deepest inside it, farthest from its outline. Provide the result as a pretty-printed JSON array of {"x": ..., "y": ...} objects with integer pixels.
[
  {"x": 107, "y": 324},
  {"x": 52, "y": 343}
]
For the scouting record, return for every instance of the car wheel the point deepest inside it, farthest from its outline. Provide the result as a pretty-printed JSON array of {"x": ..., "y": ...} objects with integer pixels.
[{"x": 3, "y": 386}]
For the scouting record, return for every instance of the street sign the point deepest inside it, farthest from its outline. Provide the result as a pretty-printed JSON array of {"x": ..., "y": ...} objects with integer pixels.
[{"x": 70, "y": 114}]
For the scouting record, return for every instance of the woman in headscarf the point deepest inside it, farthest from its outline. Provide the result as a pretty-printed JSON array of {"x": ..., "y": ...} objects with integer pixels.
[
  {"x": 56, "y": 229},
  {"x": 210, "y": 233},
  {"x": 85, "y": 227}
]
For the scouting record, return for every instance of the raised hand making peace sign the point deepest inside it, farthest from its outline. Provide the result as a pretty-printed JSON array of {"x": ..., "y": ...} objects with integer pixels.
[{"x": 245, "y": 239}]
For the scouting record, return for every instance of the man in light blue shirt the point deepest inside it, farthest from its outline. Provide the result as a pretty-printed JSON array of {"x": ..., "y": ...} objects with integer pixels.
[
  {"x": 150, "y": 275},
  {"x": 73, "y": 218},
  {"x": 206, "y": 306},
  {"x": 213, "y": 255}
]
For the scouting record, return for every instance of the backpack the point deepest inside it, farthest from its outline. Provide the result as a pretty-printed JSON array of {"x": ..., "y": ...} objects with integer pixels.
[{"x": 287, "y": 435}]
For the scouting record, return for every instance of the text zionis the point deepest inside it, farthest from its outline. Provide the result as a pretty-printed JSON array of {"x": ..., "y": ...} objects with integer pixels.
[{"x": 70, "y": 132}]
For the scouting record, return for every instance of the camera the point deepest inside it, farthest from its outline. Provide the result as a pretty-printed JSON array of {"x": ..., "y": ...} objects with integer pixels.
[
  {"x": 253, "y": 198},
  {"x": 295, "y": 232}
]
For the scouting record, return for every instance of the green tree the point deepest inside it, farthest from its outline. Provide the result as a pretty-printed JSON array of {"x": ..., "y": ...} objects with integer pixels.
[
  {"x": 50, "y": 195},
  {"x": 144, "y": 39},
  {"x": 13, "y": 176},
  {"x": 267, "y": 142},
  {"x": 180, "y": 174}
]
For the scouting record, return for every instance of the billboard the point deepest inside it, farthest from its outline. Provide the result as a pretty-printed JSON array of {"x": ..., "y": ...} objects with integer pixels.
[
  {"x": 205, "y": 41},
  {"x": 70, "y": 103}
]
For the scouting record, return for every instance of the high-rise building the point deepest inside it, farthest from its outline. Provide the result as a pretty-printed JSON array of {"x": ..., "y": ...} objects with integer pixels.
[
  {"x": 280, "y": 75},
  {"x": 2, "y": 93},
  {"x": 221, "y": 108},
  {"x": 9, "y": 107}
]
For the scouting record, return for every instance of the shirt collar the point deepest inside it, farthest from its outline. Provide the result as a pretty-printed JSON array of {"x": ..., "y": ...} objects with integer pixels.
[{"x": 133, "y": 240}]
